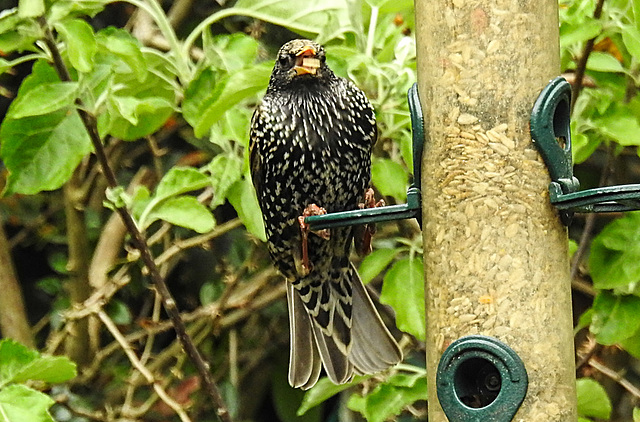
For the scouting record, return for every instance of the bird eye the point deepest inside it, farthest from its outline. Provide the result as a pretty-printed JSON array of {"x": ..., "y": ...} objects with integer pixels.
[{"x": 283, "y": 60}]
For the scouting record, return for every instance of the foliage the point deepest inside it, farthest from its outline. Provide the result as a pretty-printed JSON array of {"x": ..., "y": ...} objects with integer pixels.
[
  {"x": 173, "y": 117},
  {"x": 197, "y": 94},
  {"x": 20, "y": 365},
  {"x": 593, "y": 401},
  {"x": 606, "y": 122}
]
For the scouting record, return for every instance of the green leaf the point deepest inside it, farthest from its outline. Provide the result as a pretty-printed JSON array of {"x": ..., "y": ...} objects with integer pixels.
[
  {"x": 139, "y": 201},
  {"x": 391, "y": 397},
  {"x": 19, "y": 403},
  {"x": 585, "y": 320},
  {"x": 233, "y": 52},
  {"x": 403, "y": 290},
  {"x": 225, "y": 171},
  {"x": 43, "y": 99},
  {"x": 573, "y": 247},
  {"x": 30, "y": 8},
  {"x": 81, "y": 43},
  {"x": 592, "y": 399},
  {"x": 61, "y": 9},
  {"x": 636, "y": 414},
  {"x": 16, "y": 32},
  {"x": 615, "y": 253},
  {"x": 325, "y": 389},
  {"x": 615, "y": 318},
  {"x": 181, "y": 180},
  {"x": 574, "y": 34},
  {"x": 211, "y": 291},
  {"x": 165, "y": 206},
  {"x": 119, "y": 312},
  {"x": 197, "y": 93},
  {"x": 184, "y": 211},
  {"x": 374, "y": 263},
  {"x": 582, "y": 146},
  {"x": 307, "y": 18},
  {"x": 390, "y": 178},
  {"x": 18, "y": 363},
  {"x": 124, "y": 46},
  {"x": 243, "y": 198},
  {"x": 116, "y": 197},
  {"x": 631, "y": 39},
  {"x": 13, "y": 357},
  {"x": 134, "y": 118},
  {"x": 41, "y": 152},
  {"x": 50, "y": 369},
  {"x": 133, "y": 109},
  {"x": 208, "y": 97},
  {"x": 621, "y": 126},
  {"x": 632, "y": 344},
  {"x": 603, "y": 62}
]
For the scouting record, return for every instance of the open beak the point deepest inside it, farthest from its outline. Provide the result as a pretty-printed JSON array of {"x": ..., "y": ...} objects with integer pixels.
[{"x": 306, "y": 61}]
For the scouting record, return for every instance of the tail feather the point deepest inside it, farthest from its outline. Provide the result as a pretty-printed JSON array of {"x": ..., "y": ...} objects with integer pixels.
[
  {"x": 373, "y": 348},
  {"x": 370, "y": 348},
  {"x": 304, "y": 360},
  {"x": 337, "y": 365}
]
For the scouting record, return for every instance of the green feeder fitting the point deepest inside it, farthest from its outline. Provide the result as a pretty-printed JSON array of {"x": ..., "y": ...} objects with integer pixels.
[
  {"x": 412, "y": 209},
  {"x": 480, "y": 379},
  {"x": 551, "y": 134}
]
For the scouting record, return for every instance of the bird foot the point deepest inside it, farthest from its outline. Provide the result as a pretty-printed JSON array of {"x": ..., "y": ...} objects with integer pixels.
[
  {"x": 364, "y": 247},
  {"x": 312, "y": 209}
]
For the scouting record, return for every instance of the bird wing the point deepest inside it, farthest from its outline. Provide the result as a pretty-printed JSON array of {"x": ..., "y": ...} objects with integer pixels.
[{"x": 255, "y": 160}]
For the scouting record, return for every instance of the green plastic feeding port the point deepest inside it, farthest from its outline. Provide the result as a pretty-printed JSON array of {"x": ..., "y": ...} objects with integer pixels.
[
  {"x": 480, "y": 379},
  {"x": 551, "y": 133},
  {"x": 413, "y": 207}
]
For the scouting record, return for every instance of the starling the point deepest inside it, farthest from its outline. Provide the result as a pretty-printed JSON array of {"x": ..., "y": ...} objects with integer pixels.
[{"x": 310, "y": 152}]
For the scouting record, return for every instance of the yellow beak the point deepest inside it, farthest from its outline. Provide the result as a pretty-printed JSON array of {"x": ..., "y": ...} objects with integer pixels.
[{"x": 306, "y": 61}]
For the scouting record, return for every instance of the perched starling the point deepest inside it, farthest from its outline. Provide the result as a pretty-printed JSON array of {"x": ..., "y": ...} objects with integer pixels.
[{"x": 311, "y": 141}]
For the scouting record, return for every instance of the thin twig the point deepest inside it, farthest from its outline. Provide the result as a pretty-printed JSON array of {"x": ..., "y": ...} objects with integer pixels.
[
  {"x": 247, "y": 301},
  {"x": 582, "y": 64},
  {"x": 128, "y": 350},
  {"x": 616, "y": 376},
  {"x": 90, "y": 123},
  {"x": 181, "y": 245},
  {"x": 591, "y": 218}
]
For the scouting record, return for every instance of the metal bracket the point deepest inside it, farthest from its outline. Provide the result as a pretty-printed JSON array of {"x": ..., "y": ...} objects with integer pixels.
[
  {"x": 413, "y": 207},
  {"x": 480, "y": 379},
  {"x": 551, "y": 134}
]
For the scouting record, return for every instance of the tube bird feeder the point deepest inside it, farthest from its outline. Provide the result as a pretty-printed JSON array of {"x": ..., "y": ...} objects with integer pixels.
[{"x": 498, "y": 295}]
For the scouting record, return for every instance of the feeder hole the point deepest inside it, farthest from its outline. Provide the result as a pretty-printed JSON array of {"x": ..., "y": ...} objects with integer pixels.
[{"x": 477, "y": 382}]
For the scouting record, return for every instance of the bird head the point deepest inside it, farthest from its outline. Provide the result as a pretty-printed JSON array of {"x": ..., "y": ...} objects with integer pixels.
[{"x": 300, "y": 60}]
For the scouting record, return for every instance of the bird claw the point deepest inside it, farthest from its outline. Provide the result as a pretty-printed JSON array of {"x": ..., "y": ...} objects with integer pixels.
[
  {"x": 312, "y": 209},
  {"x": 370, "y": 228}
]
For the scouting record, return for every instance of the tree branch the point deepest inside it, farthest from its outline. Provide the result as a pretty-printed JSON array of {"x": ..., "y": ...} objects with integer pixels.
[
  {"x": 128, "y": 350},
  {"x": 13, "y": 316},
  {"x": 77, "y": 344},
  {"x": 616, "y": 376},
  {"x": 582, "y": 64},
  {"x": 138, "y": 239}
]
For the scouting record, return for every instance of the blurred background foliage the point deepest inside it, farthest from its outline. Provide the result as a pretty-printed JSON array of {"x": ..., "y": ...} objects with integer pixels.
[{"x": 173, "y": 86}]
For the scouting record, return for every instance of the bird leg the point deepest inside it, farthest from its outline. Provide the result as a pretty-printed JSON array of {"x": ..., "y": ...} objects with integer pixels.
[
  {"x": 364, "y": 245},
  {"x": 312, "y": 209}
]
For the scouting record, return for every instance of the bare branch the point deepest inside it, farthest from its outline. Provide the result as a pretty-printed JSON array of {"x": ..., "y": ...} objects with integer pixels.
[
  {"x": 616, "y": 376},
  {"x": 13, "y": 316},
  {"x": 90, "y": 123},
  {"x": 128, "y": 350}
]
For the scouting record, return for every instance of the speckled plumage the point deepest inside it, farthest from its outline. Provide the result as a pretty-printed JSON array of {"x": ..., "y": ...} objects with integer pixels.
[{"x": 311, "y": 141}]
